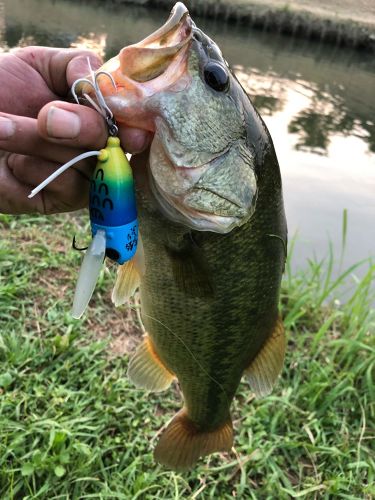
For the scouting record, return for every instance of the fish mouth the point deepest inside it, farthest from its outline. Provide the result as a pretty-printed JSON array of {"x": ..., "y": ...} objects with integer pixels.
[
  {"x": 149, "y": 58},
  {"x": 155, "y": 64}
]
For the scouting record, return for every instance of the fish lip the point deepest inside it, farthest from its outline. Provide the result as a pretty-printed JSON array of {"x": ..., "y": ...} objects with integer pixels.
[{"x": 178, "y": 12}]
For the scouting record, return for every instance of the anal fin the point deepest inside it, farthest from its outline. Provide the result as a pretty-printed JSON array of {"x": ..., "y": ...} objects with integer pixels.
[
  {"x": 267, "y": 365},
  {"x": 146, "y": 369},
  {"x": 182, "y": 443}
]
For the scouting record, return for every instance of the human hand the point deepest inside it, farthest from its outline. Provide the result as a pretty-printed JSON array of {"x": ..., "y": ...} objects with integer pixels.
[{"x": 38, "y": 133}]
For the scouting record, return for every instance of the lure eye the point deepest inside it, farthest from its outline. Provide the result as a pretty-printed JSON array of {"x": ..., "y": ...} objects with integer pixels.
[
  {"x": 216, "y": 76},
  {"x": 112, "y": 254}
]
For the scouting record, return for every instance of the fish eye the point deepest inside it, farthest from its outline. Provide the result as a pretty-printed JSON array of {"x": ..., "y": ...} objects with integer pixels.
[{"x": 216, "y": 76}]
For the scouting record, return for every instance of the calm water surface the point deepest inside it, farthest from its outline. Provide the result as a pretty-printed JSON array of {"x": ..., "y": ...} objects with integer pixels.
[{"x": 318, "y": 102}]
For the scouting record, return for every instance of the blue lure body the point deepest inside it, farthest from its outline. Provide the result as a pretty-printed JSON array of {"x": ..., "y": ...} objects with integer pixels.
[{"x": 112, "y": 202}]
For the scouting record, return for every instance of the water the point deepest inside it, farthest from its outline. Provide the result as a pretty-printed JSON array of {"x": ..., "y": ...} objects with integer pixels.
[{"x": 318, "y": 102}]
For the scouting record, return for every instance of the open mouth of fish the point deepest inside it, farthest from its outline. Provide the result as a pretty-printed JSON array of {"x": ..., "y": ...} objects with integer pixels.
[{"x": 157, "y": 63}]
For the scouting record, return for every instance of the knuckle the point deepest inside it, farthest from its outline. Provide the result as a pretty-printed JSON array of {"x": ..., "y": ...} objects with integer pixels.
[{"x": 16, "y": 161}]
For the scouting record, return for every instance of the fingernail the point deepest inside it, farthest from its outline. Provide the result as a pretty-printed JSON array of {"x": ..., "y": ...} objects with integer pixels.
[
  {"x": 7, "y": 128},
  {"x": 62, "y": 124}
]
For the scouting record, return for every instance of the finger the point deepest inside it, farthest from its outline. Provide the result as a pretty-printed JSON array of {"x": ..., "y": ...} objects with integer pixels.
[
  {"x": 19, "y": 134},
  {"x": 59, "y": 67},
  {"x": 23, "y": 90},
  {"x": 32, "y": 171},
  {"x": 72, "y": 125},
  {"x": 80, "y": 126},
  {"x": 134, "y": 140},
  {"x": 13, "y": 193},
  {"x": 79, "y": 65},
  {"x": 68, "y": 192}
]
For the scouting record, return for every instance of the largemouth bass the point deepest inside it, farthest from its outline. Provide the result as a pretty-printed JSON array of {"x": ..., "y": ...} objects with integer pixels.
[{"x": 214, "y": 233}]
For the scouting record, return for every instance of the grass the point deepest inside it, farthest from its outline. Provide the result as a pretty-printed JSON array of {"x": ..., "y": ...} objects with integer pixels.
[{"x": 73, "y": 427}]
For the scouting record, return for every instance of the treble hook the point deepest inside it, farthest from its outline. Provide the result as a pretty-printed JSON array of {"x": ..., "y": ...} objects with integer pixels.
[
  {"x": 74, "y": 245},
  {"x": 101, "y": 107}
]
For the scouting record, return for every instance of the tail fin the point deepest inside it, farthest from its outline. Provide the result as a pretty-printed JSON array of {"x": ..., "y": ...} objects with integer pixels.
[{"x": 182, "y": 443}]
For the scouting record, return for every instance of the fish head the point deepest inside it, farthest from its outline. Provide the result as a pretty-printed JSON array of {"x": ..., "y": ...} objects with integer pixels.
[{"x": 177, "y": 84}]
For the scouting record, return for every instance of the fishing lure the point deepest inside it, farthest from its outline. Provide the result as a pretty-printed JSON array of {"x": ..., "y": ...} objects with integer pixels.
[{"x": 112, "y": 205}]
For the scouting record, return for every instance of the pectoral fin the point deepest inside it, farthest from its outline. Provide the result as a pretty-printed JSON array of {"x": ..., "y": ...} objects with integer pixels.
[
  {"x": 146, "y": 369},
  {"x": 266, "y": 367},
  {"x": 129, "y": 276},
  {"x": 190, "y": 270}
]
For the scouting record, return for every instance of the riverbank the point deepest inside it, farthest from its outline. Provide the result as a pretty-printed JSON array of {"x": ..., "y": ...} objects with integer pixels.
[{"x": 345, "y": 22}]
